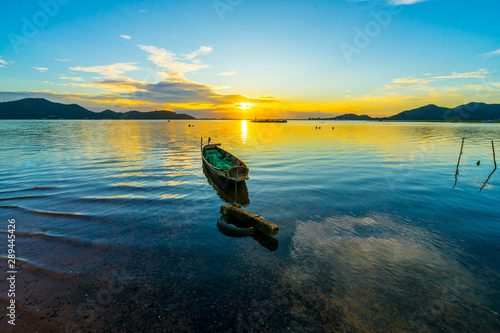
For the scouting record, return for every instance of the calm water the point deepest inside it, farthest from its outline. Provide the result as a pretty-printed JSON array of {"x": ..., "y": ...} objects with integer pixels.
[{"x": 116, "y": 227}]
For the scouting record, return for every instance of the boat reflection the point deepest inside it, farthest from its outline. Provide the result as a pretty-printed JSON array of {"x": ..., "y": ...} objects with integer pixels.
[{"x": 226, "y": 189}]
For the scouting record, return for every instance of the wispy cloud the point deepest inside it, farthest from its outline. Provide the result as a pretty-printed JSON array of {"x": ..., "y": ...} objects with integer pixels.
[
  {"x": 404, "y": 2},
  {"x": 491, "y": 54},
  {"x": 174, "y": 67},
  {"x": 41, "y": 69},
  {"x": 110, "y": 71},
  {"x": 71, "y": 78},
  {"x": 406, "y": 82},
  {"x": 201, "y": 51},
  {"x": 226, "y": 73},
  {"x": 478, "y": 74},
  {"x": 492, "y": 86},
  {"x": 125, "y": 36},
  {"x": 63, "y": 60},
  {"x": 2, "y": 62},
  {"x": 142, "y": 11},
  {"x": 118, "y": 85}
]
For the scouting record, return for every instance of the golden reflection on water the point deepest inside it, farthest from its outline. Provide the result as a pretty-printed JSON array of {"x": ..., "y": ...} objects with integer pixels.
[
  {"x": 123, "y": 196},
  {"x": 244, "y": 130}
]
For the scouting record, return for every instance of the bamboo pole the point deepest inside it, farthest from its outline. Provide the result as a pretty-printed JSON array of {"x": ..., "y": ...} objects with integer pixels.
[
  {"x": 458, "y": 163},
  {"x": 494, "y": 159},
  {"x": 495, "y": 162},
  {"x": 461, "y": 152}
]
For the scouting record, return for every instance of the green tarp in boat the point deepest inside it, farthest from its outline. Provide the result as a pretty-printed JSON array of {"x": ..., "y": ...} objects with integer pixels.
[{"x": 217, "y": 160}]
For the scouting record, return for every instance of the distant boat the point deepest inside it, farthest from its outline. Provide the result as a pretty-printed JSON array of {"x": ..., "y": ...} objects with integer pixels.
[
  {"x": 269, "y": 120},
  {"x": 223, "y": 164}
]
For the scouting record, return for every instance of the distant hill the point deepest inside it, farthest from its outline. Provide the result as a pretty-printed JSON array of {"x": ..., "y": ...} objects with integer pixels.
[
  {"x": 347, "y": 116},
  {"x": 471, "y": 111},
  {"x": 352, "y": 116},
  {"x": 431, "y": 112},
  {"x": 40, "y": 108}
]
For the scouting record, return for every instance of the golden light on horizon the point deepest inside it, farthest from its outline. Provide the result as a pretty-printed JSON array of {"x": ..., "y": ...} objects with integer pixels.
[{"x": 244, "y": 105}]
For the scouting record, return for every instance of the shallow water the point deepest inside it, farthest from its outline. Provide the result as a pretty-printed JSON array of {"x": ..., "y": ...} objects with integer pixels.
[{"x": 115, "y": 225}]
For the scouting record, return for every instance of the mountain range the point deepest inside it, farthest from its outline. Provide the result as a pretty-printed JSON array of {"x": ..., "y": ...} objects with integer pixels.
[
  {"x": 471, "y": 111},
  {"x": 431, "y": 112},
  {"x": 40, "y": 108}
]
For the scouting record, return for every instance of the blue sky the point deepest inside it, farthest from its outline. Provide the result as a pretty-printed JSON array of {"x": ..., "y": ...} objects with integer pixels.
[{"x": 238, "y": 58}]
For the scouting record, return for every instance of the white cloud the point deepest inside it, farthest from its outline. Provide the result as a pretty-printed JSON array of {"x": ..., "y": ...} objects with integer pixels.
[
  {"x": 404, "y": 2},
  {"x": 490, "y": 86},
  {"x": 491, "y": 54},
  {"x": 175, "y": 69},
  {"x": 2, "y": 62},
  {"x": 478, "y": 74},
  {"x": 406, "y": 82},
  {"x": 411, "y": 81},
  {"x": 226, "y": 73},
  {"x": 201, "y": 51},
  {"x": 217, "y": 88},
  {"x": 71, "y": 78},
  {"x": 125, "y": 37},
  {"x": 63, "y": 60},
  {"x": 110, "y": 71},
  {"x": 41, "y": 69},
  {"x": 142, "y": 11}
]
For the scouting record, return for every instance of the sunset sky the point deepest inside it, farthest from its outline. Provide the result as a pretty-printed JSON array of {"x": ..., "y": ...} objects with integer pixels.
[{"x": 242, "y": 58}]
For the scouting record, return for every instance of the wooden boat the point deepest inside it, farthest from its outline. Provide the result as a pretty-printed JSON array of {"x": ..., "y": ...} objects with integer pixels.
[{"x": 234, "y": 171}]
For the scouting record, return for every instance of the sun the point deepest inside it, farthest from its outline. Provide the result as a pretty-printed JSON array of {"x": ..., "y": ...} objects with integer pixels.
[{"x": 244, "y": 105}]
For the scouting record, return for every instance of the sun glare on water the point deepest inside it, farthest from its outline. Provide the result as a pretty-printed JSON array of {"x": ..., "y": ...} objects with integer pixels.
[{"x": 244, "y": 105}]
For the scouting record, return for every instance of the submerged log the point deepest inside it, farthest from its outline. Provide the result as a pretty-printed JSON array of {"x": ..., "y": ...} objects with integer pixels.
[{"x": 254, "y": 220}]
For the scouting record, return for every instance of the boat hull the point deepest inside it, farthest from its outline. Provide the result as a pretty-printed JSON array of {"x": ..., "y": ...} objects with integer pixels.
[{"x": 237, "y": 173}]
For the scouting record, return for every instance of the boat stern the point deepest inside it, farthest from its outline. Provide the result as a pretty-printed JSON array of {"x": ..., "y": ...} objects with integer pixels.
[{"x": 238, "y": 173}]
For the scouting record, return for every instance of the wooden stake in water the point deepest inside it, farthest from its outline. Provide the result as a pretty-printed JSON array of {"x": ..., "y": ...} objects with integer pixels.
[
  {"x": 458, "y": 163},
  {"x": 494, "y": 159},
  {"x": 495, "y": 162}
]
